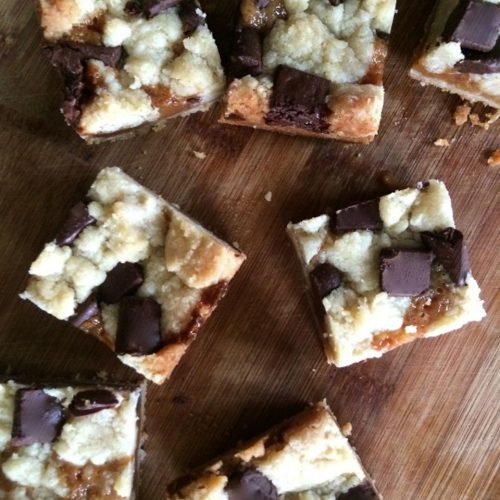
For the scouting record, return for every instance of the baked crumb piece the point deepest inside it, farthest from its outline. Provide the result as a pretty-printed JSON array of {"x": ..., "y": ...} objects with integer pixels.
[
  {"x": 494, "y": 158},
  {"x": 58, "y": 441},
  {"x": 306, "y": 457},
  {"x": 200, "y": 155},
  {"x": 490, "y": 118},
  {"x": 268, "y": 196},
  {"x": 444, "y": 143},
  {"x": 135, "y": 272},
  {"x": 461, "y": 114},
  {"x": 346, "y": 429},
  {"x": 386, "y": 272}
]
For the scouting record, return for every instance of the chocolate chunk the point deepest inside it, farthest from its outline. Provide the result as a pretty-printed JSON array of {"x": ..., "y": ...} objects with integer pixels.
[
  {"x": 246, "y": 58},
  {"x": 88, "y": 309},
  {"x": 480, "y": 63},
  {"x": 78, "y": 219},
  {"x": 149, "y": 8},
  {"x": 363, "y": 491},
  {"x": 262, "y": 4},
  {"x": 92, "y": 401},
  {"x": 251, "y": 485},
  {"x": 335, "y": 3},
  {"x": 405, "y": 273},
  {"x": 298, "y": 100},
  {"x": 124, "y": 279},
  {"x": 324, "y": 279},
  {"x": 474, "y": 25},
  {"x": 38, "y": 417},
  {"x": 450, "y": 250},
  {"x": 361, "y": 216},
  {"x": 139, "y": 326},
  {"x": 188, "y": 12}
]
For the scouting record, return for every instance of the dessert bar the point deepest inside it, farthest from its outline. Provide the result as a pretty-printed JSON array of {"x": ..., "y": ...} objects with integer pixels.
[
  {"x": 69, "y": 441},
  {"x": 135, "y": 272},
  {"x": 312, "y": 67},
  {"x": 306, "y": 457},
  {"x": 461, "y": 52},
  {"x": 386, "y": 272},
  {"x": 127, "y": 64}
]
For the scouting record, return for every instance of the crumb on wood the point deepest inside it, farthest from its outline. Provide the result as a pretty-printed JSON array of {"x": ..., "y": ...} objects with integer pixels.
[
  {"x": 103, "y": 375},
  {"x": 461, "y": 114},
  {"x": 494, "y": 159},
  {"x": 199, "y": 154},
  {"x": 490, "y": 118},
  {"x": 443, "y": 143},
  {"x": 236, "y": 245},
  {"x": 346, "y": 429},
  {"x": 144, "y": 151},
  {"x": 268, "y": 196}
]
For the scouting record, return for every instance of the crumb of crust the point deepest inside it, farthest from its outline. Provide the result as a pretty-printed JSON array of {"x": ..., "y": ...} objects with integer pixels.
[
  {"x": 443, "y": 143},
  {"x": 103, "y": 375},
  {"x": 491, "y": 117},
  {"x": 494, "y": 159},
  {"x": 268, "y": 196},
  {"x": 200, "y": 155},
  {"x": 236, "y": 245},
  {"x": 346, "y": 429},
  {"x": 461, "y": 114}
]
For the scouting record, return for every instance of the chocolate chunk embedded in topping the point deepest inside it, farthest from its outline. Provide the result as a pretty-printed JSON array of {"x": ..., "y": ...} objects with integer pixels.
[
  {"x": 78, "y": 219},
  {"x": 246, "y": 58},
  {"x": 363, "y": 491},
  {"x": 262, "y": 4},
  {"x": 324, "y": 279},
  {"x": 92, "y": 401},
  {"x": 190, "y": 17},
  {"x": 124, "y": 279},
  {"x": 361, "y": 216},
  {"x": 450, "y": 250},
  {"x": 298, "y": 100},
  {"x": 38, "y": 417},
  {"x": 149, "y": 8},
  {"x": 480, "y": 63},
  {"x": 474, "y": 25},
  {"x": 139, "y": 326},
  {"x": 251, "y": 485},
  {"x": 405, "y": 273},
  {"x": 88, "y": 309},
  {"x": 336, "y": 3}
]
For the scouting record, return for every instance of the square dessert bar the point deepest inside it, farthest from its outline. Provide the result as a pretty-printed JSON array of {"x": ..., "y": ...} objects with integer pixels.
[
  {"x": 130, "y": 63},
  {"x": 69, "y": 441},
  {"x": 461, "y": 52},
  {"x": 306, "y": 457},
  {"x": 386, "y": 272},
  {"x": 135, "y": 272},
  {"x": 310, "y": 67}
]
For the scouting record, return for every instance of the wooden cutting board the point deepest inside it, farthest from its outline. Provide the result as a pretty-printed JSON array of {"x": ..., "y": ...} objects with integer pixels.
[{"x": 425, "y": 417}]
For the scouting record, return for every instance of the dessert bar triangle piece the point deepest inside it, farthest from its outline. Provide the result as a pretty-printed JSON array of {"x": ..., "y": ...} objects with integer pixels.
[
  {"x": 304, "y": 457},
  {"x": 67, "y": 440},
  {"x": 130, "y": 65},
  {"x": 395, "y": 269},
  {"x": 135, "y": 272},
  {"x": 461, "y": 50},
  {"x": 310, "y": 68}
]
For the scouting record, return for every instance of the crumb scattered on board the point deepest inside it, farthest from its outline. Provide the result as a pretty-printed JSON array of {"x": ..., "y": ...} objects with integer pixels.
[
  {"x": 268, "y": 196},
  {"x": 494, "y": 159},
  {"x": 346, "y": 429},
  {"x": 236, "y": 245},
  {"x": 200, "y": 155},
  {"x": 463, "y": 114},
  {"x": 443, "y": 143}
]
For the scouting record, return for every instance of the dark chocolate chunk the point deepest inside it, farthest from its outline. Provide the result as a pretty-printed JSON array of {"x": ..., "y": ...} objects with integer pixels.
[
  {"x": 324, "y": 279},
  {"x": 251, "y": 485},
  {"x": 246, "y": 58},
  {"x": 335, "y": 3},
  {"x": 262, "y": 4},
  {"x": 363, "y": 491},
  {"x": 189, "y": 16},
  {"x": 298, "y": 100},
  {"x": 480, "y": 63},
  {"x": 92, "y": 401},
  {"x": 449, "y": 248},
  {"x": 74, "y": 95},
  {"x": 124, "y": 279},
  {"x": 474, "y": 25},
  {"x": 139, "y": 326},
  {"x": 88, "y": 309},
  {"x": 405, "y": 273},
  {"x": 149, "y": 8},
  {"x": 78, "y": 219},
  {"x": 38, "y": 417},
  {"x": 361, "y": 216}
]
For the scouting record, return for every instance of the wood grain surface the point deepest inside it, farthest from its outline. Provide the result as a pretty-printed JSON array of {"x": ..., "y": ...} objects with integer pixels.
[{"x": 425, "y": 417}]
